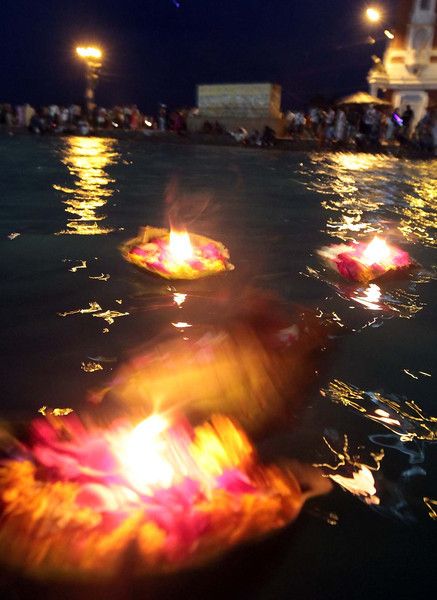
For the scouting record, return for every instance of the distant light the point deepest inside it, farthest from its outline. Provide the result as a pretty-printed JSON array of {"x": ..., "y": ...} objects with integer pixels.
[
  {"x": 389, "y": 34},
  {"x": 89, "y": 52},
  {"x": 114, "y": 124},
  {"x": 148, "y": 123},
  {"x": 373, "y": 14}
]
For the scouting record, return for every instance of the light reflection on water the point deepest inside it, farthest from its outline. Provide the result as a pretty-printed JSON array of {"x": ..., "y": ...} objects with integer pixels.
[
  {"x": 403, "y": 301},
  {"x": 410, "y": 430},
  {"x": 366, "y": 191},
  {"x": 418, "y": 216},
  {"x": 360, "y": 195},
  {"x": 402, "y": 417},
  {"x": 86, "y": 159}
]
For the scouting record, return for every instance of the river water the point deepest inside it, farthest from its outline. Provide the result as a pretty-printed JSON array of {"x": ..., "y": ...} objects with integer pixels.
[{"x": 68, "y": 204}]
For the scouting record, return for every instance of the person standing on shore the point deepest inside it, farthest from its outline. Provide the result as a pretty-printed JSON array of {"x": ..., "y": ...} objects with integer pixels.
[
  {"x": 340, "y": 126},
  {"x": 407, "y": 119},
  {"x": 162, "y": 117}
]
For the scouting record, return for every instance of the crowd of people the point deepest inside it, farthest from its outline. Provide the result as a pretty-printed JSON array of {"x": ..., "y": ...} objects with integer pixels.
[
  {"x": 365, "y": 126},
  {"x": 77, "y": 119}
]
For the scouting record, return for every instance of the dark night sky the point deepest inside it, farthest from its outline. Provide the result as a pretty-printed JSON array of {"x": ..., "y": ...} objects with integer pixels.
[{"x": 158, "y": 52}]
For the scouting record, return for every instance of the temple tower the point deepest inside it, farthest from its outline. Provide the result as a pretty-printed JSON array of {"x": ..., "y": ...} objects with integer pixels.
[{"x": 408, "y": 72}]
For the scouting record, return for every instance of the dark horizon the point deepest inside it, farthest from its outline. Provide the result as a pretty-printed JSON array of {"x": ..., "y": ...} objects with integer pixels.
[{"x": 156, "y": 52}]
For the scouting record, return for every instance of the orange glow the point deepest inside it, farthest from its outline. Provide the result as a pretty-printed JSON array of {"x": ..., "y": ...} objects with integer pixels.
[
  {"x": 86, "y": 159},
  {"x": 89, "y": 52},
  {"x": 366, "y": 261},
  {"x": 176, "y": 254},
  {"x": 180, "y": 247},
  {"x": 78, "y": 498}
]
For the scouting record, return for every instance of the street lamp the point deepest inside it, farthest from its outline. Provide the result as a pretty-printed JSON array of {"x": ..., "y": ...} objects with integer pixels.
[
  {"x": 373, "y": 14},
  {"x": 92, "y": 57}
]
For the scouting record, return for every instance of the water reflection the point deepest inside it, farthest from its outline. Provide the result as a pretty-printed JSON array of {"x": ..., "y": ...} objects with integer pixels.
[
  {"x": 365, "y": 191},
  {"x": 86, "y": 159},
  {"x": 403, "y": 302},
  {"x": 404, "y": 418},
  {"x": 357, "y": 186},
  {"x": 352, "y": 473},
  {"x": 418, "y": 212},
  {"x": 410, "y": 430}
]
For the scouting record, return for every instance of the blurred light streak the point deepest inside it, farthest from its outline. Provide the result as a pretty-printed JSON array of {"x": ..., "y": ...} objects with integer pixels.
[
  {"x": 432, "y": 507},
  {"x": 101, "y": 277},
  {"x": 78, "y": 500}
]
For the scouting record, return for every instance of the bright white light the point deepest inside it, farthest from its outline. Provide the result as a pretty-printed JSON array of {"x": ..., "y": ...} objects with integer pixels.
[
  {"x": 373, "y": 14},
  {"x": 378, "y": 251},
  {"x": 179, "y": 298},
  {"x": 180, "y": 246},
  {"x": 142, "y": 455},
  {"x": 389, "y": 34}
]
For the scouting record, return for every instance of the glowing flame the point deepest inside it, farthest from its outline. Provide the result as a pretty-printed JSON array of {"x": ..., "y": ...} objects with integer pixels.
[
  {"x": 78, "y": 498},
  {"x": 180, "y": 247},
  {"x": 377, "y": 251},
  {"x": 177, "y": 255},
  {"x": 141, "y": 453},
  {"x": 366, "y": 261}
]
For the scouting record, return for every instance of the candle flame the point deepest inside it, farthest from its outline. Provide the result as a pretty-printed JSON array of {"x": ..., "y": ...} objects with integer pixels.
[
  {"x": 377, "y": 251},
  {"x": 180, "y": 247},
  {"x": 79, "y": 498},
  {"x": 141, "y": 454}
]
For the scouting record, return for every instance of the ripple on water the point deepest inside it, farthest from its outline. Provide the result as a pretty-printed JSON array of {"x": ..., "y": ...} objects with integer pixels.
[{"x": 87, "y": 159}]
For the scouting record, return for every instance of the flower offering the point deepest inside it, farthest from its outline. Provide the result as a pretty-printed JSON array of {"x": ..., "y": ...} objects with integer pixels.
[
  {"x": 77, "y": 499},
  {"x": 366, "y": 261},
  {"x": 177, "y": 254}
]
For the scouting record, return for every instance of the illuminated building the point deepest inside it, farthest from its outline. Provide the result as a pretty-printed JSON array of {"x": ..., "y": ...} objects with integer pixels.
[
  {"x": 408, "y": 71},
  {"x": 233, "y": 105}
]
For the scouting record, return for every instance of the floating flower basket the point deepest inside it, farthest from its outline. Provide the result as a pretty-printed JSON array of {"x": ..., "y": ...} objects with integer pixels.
[
  {"x": 366, "y": 261},
  {"x": 78, "y": 500},
  {"x": 177, "y": 254}
]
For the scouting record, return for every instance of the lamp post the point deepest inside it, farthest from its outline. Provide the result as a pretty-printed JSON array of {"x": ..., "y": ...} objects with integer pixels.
[
  {"x": 92, "y": 57},
  {"x": 377, "y": 76}
]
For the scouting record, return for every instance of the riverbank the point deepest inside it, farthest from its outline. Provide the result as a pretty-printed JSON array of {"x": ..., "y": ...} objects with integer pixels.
[{"x": 213, "y": 139}]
